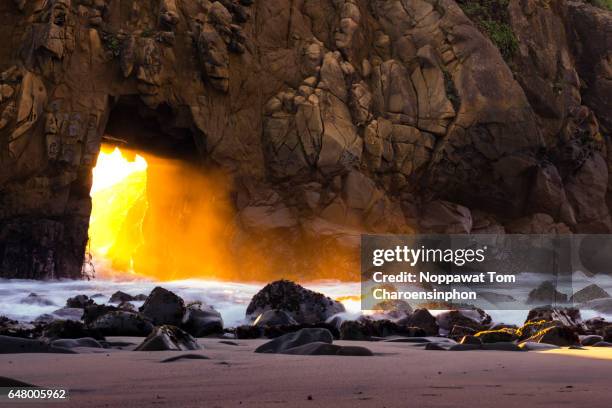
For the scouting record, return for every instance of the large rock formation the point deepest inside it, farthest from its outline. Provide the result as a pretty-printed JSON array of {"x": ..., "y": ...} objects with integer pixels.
[{"x": 333, "y": 117}]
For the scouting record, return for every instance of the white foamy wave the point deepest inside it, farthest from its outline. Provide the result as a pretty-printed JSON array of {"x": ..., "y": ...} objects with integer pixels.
[{"x": 229, "y": 298}]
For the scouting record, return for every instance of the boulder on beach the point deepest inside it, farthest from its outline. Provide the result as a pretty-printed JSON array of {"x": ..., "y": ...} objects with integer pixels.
[
  {"x": 203, "y": 320},
  {"x": 545, "y": 294},
  {"x": 607, "y": 333},
  {"x": 460, "y": 331},
  {"x": 470, "y": 340},
  {"x": 12, "y": 345},
  {"x": 596, "y": 324},
  {"x": 69, "y": 329},
  {"x": 588, "y": 293},
  {"x": 34, "y": 299},
  {"x": 303, "y": 305},
  {"x": 247, "y": 331},
  {"x": 590, "y": 340},
  {"x": 79, "y": 302},
  {"x": 325, "y": 349},
  {"x": 13, "y": 328},
  {"x": 366, "y": 329},
  {"x": 127, "y": 306},
  {"x": 76, "y": 343},
  {"x": 164, "y": 307},
  {"x": 273, "y": 332},
  {"x": 557, "y": 335},
  {"x": 393, "y": 309},
  {"x": 476, "y": 319},
  {"x": 299, "y": 338},
  {"x": 274, "y": 318},
  {"x": 497, "y": 336},
  {"x": 566, "y": 316},
  {"x": 122, "y": 323},
  {"x": 170, "y": 338},
  {"x": 421, "y": 318},
  {"x": 534, "y": 326},
  {"x": 67, "y": 313},
  {"x": 120, "y": 296},
  {"x": 91, "y": 313}
]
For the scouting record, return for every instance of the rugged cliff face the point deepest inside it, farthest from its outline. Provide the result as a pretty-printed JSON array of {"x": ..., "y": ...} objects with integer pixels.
[{"x": 333, "y": 117}]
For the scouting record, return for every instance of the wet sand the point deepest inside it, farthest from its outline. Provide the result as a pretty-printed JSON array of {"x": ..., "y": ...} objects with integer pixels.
[{"x": 400, "y": 375}]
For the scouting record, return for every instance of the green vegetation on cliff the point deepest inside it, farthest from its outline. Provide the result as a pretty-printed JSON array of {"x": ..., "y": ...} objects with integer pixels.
[
  {"x": 604, "y": 4},
  {"x": 491, "y": 16}
]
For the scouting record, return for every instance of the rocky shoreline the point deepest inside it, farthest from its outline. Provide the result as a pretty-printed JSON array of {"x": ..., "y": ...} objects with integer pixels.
[{"x": 295, "y": 319}]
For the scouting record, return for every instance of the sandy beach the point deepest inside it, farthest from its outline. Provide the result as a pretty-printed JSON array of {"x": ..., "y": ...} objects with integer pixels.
[{"x": 399, "y": 375}]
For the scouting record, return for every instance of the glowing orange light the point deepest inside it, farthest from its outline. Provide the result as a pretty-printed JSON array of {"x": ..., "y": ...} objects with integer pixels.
[{"x": 118, "y": 184}]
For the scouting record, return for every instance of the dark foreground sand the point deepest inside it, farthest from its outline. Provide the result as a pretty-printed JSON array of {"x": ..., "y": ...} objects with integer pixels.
[{"x": 400, "y": 375}]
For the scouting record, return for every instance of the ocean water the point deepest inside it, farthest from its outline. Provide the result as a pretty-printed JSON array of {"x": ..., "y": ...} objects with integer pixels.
[{"x": 229, "y": 298}]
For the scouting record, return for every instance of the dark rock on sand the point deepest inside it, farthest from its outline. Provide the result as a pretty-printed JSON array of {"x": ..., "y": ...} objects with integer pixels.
[
  {"x": 248, "y": 331},
  {"x": 120, "y": 296},
  {"x": 353, "y": 330},
  {"x": 203, "y": 320},
  {"x": 393, "y": 309},
  {"x": 79, "y": 301},
  {"x": 566, "y": 316},
  {"x": 590, "y": 340},
  {"x": 273, "y": 332},
  {"x": 365, "y": 329},
  {"x": 423, "y": 319},
  {"x": 123, "y": 323},
  {"x": 12, "y": 345},
  {"x": 75, "y": 343},
  {"x": 184, "y": 357},
  {"x": 497, "y": 336},
  {"x": 168, "y": 337},
  {"x": 274, "y": 317},
  {"x": 532, "y": 327},
  {"x": 470, "y": 340},
  {"x": 69, "y": 329},
  {"x": 6, "y": 382},
  {"x": 303, "y": 305},
  {"x": 471, "y": 346},
  {"x": 164, "y": 307},
  {"x": 91, "y": 313},
  {"x": 607, "y": 333},
  {"x": 460, "y": 331},
  {"x": 13, "y": 328},
  {"x": 127, "y": 306},
  {"x": 476, "y": 319},
  {"x": 465, "y": 347},
  {"x": 557, "y": 335},
  {"x": 34, "y": 299},
  {"x": 596, "y": 324},
  {"x": 588, "y": 293},
  {"x": 299, "y": 338},
  {"x": 326, "y": 349},
  {"x": 434, "y": 346},
  {"x": 546, "y": 293}
]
